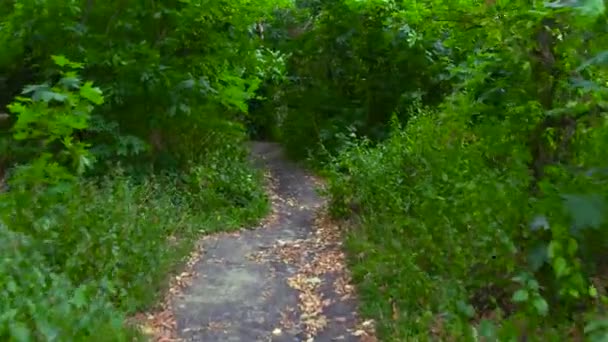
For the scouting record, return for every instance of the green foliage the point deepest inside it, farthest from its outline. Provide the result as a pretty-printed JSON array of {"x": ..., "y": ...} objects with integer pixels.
[
  {"x": 54, "y": 114},
  {"x": 227, "y": 181},
  {"x": 353, "y": 64},
  {"x": 38, "y": 304},
  {"x": 163, "y": 66},
  {"x": 116, "y": 238},
  {"x": 484, "y": 216},
  {"x": 480, "y": 211},
  {"x": 434, "y": 221},
  {"x": 110, "y": 180}
]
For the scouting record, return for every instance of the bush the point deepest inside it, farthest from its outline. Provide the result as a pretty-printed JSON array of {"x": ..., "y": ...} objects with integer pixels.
[
  {"x": 483, "y": 216},
  {"x": 118, "y": 240},
  {"x": 436, "y": 222},
  {"x": 81, "y": 253},
  {"x": 226, "y": 180},
  {"x": 450, "y": 231},
  {"x": 39, "y": 304}
]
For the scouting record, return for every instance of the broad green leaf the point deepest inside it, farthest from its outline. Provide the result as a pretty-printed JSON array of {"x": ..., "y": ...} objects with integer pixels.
[
  {"x": 587, "y": 211},
  {"x": 60, "y": 60},
  {"x": 540, "y": 222},
  {"x": 466, "y": 309},
  {"x": 538, "y": 256},
  {"x": 592, "y": 7},
  {"x": 541, "y": 306},
  {"x": 79, "y": 299},
  {"x": 48, "y": 96},
  {"x": 596, "y": 324},
  {"x": 593, "y": 291},
  {"x": 487, "y": 329},
  {"x": 560, "y": 267},
  {"x": 70, "y": 82},
  {"x": 554, "y": 249},
  {"x": 600, "y": 59},
  {"x": 520, "y": 295},
  {"x": 35, "y": 88},
  {"x": 91, "y": 93},
  {"x": 187, "y": 84},
  {"x": 585, "y": 7},
  {"x": 19, "y": 332}
]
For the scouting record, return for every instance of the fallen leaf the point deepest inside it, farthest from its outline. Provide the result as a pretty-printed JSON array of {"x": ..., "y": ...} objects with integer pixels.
[
  {"x": 368, "y": 323},
  {"x": 395, "y": 311},
  {"x": 314, "y": 280},
  {"x": 358, "y": 333}
]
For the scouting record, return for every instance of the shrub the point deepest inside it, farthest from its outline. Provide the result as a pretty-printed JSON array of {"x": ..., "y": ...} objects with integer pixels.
[
  {"x": 484, "y": 216},
  {"x": 39, "y": 304},
  {"x": 81, "y": 253},
  {"x": 436, "y": 221}
]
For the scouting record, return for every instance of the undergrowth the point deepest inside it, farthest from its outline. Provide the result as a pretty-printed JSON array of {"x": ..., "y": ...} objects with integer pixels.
[
  {"x": 479, "y": 213},
  {"x": 105, "y": 250},
  {"x": 445, "y": 240},
  {"x": 82, "y": 251}
]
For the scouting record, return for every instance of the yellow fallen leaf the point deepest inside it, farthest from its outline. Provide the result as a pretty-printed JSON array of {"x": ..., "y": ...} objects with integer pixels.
[
  {"x": 395, "y": 311},
  {"x": 359, "y": 333},
  {"x": 314, "y": 280},
  {"x": 367, "y": 323},
  {"x": 277, "y": 332},
  {"x": 147, "y": 330}
]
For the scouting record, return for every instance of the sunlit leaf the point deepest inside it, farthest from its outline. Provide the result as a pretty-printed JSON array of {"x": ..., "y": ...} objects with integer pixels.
[
  {"x": 585, "y": 7},
  {"x": 91, "y": 93},
  {"x": 520, "y": 295},
  {"x": 560, "y": 267}
]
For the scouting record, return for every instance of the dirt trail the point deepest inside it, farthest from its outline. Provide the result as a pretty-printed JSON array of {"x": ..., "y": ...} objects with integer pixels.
[{"x": 283, "y": 281}]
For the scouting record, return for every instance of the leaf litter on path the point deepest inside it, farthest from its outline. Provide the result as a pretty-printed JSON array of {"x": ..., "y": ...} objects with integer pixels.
[
  {"x": 159, "y": 324},
  {"x": 325, "y": 246},
  {"x": 315, "y": 258}
]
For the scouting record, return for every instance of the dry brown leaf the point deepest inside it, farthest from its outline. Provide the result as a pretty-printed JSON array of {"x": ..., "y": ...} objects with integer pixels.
[{"x": 395, "y": 315}]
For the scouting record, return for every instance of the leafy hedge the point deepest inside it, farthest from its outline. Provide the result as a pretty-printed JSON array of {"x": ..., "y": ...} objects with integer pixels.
[
  {"x": 480, "y": 213},
  {"x": 122, "y": 142},
  {"x": 81, "y": 253}
]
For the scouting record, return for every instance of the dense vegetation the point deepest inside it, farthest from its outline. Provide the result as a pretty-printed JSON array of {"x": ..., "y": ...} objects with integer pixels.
[
  {"x": 464, "y": 143},
  {"x": 121, "y": 142}
]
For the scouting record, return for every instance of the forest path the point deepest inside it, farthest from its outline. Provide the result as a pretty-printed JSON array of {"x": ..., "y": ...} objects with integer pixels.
[{"x": 282, "y": 281}]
